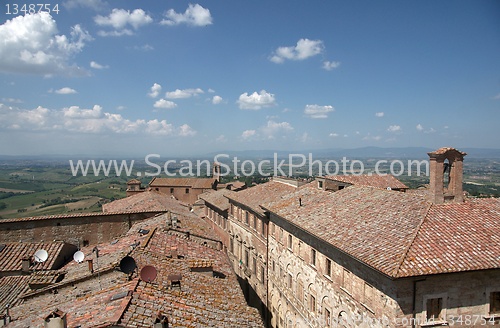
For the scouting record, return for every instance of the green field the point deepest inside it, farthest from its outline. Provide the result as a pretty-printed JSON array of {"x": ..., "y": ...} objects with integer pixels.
[{"x": 32, "y": 189}]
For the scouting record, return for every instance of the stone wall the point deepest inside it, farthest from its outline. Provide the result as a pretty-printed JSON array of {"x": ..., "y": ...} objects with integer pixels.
[{"x": 79, "y": 229}]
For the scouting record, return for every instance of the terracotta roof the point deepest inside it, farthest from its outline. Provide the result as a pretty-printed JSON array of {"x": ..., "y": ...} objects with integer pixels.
[
  {"x": 444, "y": 150},
  {"x": 109, "y": 298},
  {"x": 399, "y": 234},
  {"x": 266, "y": 192},
  {"x": 134, "y": 181},
  {"x": 377, "y": 181},
  {"x": 74, "y": 215},
  {"x": 144, "y": 201},
  {"x": 13, "y": 253},
  {"x": 195, "y": 183},
  {"x": 456, "y": 237},
  {"x": 10, "y": 288},
  {"x": 218, "y": 198}
]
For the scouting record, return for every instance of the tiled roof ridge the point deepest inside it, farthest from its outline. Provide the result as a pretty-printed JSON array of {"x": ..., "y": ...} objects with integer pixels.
[
  {"x": 76, "y": 215},
  {"x": 395, "y": 274}
]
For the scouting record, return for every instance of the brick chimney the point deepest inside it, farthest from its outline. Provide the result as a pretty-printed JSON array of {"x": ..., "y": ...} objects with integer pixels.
[{"x": 446, "y": 175}]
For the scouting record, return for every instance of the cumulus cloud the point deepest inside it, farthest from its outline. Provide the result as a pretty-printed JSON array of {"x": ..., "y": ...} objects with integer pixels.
[
  {"x": 394, "y": 128},
  {"x": 216, "y": 100},
  {"x": 195, "y": 15},
  {"x": 304, "y": 49},
  {"x": 165, "y": 104},
  {"x": 155, "y": 90},
  {"x": 272, "y": 128},
  {"x": 317, "y": 111},
  {"x": 121, "y": 19},
  {"x": 248, "y": 134},
  {"x": 256, "y": 101},
  {"x": 96, "y": 65},
  {"x": 379, "y": 114},
  {"x": 31, "y": 44},
  {"x": 330, "y": 65},
  {"x": 65, "y": 91},
  {"x": 420, "y": 127},
  {"x": 85, "y": 120},
  {"x": 186, "y": 93}
]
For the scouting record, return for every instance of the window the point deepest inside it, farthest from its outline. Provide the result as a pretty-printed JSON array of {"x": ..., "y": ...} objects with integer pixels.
[
  {"x": 254, "y": 265},
  {"x": 246, "y": 218},
  {"x": 187, "y": 190},
  {"x": 320, "y": 184},
  {"x": 262, "y": 228},
  {"x": 171, "y": 190},
  {"x": 328, "y": 317},
  {"x": 290, "y": 242},
  {"x": 262, "y": 272},
  {"x": 274, "y": 266},
  {"x": 312, "y": 303},
  {"x": 300, "y": 290},
  {"x": 231, "y": 245},
  {"x": 281, "y": 235},
  {"x": 246, "y": 257},
  {"x": 255, "y": 222},
  {"x": 346, "y": 280},
  {"x": 273, "y": 229},
  {"x": 328, "y": 267},
  {"x": 231, "y": 209},
  {"x": 290, "y": 280},
  {"x": 313, "y": 257},
  {"x": 494, "y": 302},
  {"x": 434, "y": 306}
]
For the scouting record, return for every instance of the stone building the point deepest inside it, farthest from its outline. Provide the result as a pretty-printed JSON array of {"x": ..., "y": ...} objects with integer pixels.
[{"x": 366, "y": 255}]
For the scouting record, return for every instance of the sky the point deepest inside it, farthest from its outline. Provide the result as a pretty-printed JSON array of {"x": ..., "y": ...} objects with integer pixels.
[{"x": 183, "y": 78}]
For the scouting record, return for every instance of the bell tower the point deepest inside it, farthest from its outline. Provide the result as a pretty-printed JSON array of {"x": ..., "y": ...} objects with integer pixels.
[{"x": 446, "y": 174}]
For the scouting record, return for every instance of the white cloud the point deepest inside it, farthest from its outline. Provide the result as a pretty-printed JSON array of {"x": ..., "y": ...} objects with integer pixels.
[
  {"x": 186, "y": 131},
  {"x": 96, "y": 65},
  {"x": 120, "y": 19},
  {"x": 334, "y": 135},
  {"x": 330, "y": 65},
  {"x": 248, "y": 134},
  {"x": 420, "y": 127},
  {"x": 30, "y": 44},
  {"x": 65, "y": 91},
  {"x": 216, "y": 100},
  {"x": 304, "y": 49},
  {"x": 379, "y": 114},
  {"x": 166, "y": 104},
  {"x": 12, "y": 100},
  {"x": 210, "y": 90},
  {"x": 317, "y": 111},
  {"x": 195, "y": 15},
  {"x": 375, "y": 138},
  {"x": 145, "y": 47},
  {"x": 496, "y": 97},
  {"x": 394, "y": 128},
  {"x": 155, "y": 90},
  {"x": 186, "y": 93},
  {"x": 83, "y": 120},
  {"x": 305, "y": 137},
  {"x": 273, "y": 128},
  {"x": 121, "y": 107},
  {"x": 256, "y": 100},
  {"x": 221, "y": 138}
]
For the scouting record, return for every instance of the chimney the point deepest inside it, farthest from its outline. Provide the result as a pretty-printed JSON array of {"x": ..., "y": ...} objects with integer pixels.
[
  {"x": 56, "y": 319},
  {"x": 446, "y": 175},
  {"x": 91, "y": 265},
  {"x": 25, "y": 265},
  {"x": 161, "y": 321}
]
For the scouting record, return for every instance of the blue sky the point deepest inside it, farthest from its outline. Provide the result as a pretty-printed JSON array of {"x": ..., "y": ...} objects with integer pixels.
[{"x": 184, "y": 78}]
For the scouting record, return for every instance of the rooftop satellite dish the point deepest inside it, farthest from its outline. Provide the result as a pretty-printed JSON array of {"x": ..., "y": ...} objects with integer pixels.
[
  {"x": 148, "y": 273},
  {"x": 78, "y": 257},
  {"x": 389, "y": 188},
  {"x": 41, "y": 256},
  {"x": 127, "y": 265}
]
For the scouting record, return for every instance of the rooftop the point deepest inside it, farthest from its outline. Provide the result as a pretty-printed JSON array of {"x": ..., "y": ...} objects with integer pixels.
[
  {"x": 218, "y": 198},
  {"x": 398, "y": 234},
  {"x": 144, "y": 201},
  {"x": 195, "y": 183},
  {"x": 375, "y": 180}
]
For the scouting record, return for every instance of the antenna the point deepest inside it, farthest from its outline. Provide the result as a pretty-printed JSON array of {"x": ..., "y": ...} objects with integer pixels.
[
  {"x": 41, "y": 256},
  {"x": 127, "y": 265},
  {"x": 148, "y": 273},
  {"x": 79, "y": 257}
]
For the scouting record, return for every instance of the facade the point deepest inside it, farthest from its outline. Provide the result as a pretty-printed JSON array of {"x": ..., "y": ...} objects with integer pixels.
[
  {"x": 185, "y": 190},
  {"x": 370, "y": 254}
]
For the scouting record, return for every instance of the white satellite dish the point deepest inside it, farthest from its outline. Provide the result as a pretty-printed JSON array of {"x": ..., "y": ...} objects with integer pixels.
[
  {"x": 389, "y": 188},
  {"x": 41, "y": 256},
  {"x": 78, "y": 257}
]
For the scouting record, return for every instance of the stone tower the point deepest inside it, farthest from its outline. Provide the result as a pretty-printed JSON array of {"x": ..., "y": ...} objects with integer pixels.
[
  {"x": 216, "y": 171},
  {"x": 446, "y": 174}
]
